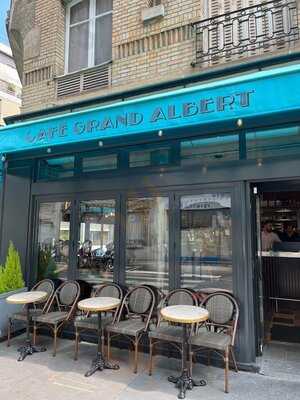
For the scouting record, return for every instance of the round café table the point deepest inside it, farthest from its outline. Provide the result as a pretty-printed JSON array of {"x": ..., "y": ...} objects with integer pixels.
[
  {"x": 99, "y": 305},
  {"x": 27, "y": 298},
  {"x": 186, "y": 316}
]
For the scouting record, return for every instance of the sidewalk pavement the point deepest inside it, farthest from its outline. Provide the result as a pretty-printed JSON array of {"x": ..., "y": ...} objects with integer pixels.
[{"x": 42, "y": 377}]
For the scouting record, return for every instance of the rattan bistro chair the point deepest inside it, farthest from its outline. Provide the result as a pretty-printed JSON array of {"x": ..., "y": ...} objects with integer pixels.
[
  {"x": 138, "y": 306},
  {"x": 170, "y": 332},
  {"x": 61, "y": 309},
  {"x": 220, "y": 332},
  {"x": 46, "y": 285},
  {"x": 89, "y": 321}
]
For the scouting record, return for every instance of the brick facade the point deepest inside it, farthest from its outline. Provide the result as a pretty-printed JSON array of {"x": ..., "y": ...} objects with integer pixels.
[{"x": 143, "y": 53}]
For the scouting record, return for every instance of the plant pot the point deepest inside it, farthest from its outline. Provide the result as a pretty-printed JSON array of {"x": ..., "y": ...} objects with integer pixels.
[{"x": 8, "y": 309}]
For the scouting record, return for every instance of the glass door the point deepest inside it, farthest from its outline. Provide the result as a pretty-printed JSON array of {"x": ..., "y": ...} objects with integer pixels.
[
  {"x": 206, "y": 241},
  {"x": 96, "y": 240},
  {"x": 53, "y": 242},
  {"x": 147, "y": 241}
]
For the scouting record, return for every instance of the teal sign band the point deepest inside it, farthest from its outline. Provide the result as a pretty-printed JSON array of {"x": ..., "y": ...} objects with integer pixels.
[{"x": 257, "y": 94}]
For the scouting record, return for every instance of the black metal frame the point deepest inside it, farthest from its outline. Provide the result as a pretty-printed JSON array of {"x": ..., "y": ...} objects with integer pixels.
[{"x": 173, "y": 194}]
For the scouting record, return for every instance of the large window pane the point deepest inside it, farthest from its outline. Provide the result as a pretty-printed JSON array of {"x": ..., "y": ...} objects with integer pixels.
[
  {"x": 78, "y": 47},
  {"x": 56, "y": 168},
  {"x": 273, "y": 143},
  {"x": 151, "y": 157},
  {"x": 209, "y": 150},
  {"x": 103, "y": 39},
  {"x": 79, "y": 12},
  {"x": 53, "y": 240},
  {"x": 206, "y": 241},
  {"x": 99, "y": 163},
  {"x": 96, "y": 241},
  {"x": 103, "y": 6},
  {"x": 147, "y": 241}
]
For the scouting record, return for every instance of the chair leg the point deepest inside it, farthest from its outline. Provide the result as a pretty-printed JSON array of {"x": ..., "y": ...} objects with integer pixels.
[
  {"x": 76, "y": 344},
  {"x": 233, "y": 359},
  {"x": 208, "y": 358},
  {"x": 226, "y": 359},
  {"x": 9, "y": 331},
  {"x": 55, "y": 341},
  {"x": 191, "y": 360},
  {"x": 102, "y": 341},
  {"x": 150, "y": 357},
  {"x": 34, "y": 333},
  {"x": 108, "y": 346},
  {"x": 136, "y": 349}
]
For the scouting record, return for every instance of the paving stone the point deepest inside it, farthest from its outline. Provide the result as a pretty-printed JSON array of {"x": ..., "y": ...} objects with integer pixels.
[{"x": 43, "y": 377}]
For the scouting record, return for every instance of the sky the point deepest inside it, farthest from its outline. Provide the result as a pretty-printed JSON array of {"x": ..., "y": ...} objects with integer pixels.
[{"x": 4, "y": 6}]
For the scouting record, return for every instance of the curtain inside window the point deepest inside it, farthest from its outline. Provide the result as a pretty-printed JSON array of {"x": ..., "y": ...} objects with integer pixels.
[
  {"x": 103, "y": 6},
  {"x": 78, "y": 47},
  {"x": 103, "y": 40},
  {"x": 79, "y": 12}
]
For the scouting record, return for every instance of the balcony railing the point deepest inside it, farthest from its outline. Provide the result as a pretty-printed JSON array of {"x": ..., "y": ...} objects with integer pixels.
[{"x": 254, "y": 29}]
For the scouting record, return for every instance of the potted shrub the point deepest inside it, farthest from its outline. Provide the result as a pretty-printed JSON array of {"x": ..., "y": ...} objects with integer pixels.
[{"x": 11, "y": 281}]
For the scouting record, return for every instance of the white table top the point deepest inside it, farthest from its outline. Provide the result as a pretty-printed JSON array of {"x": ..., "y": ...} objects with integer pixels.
[
  {"x": 184, "y": 314},
  {"x": 27, "y": 297},
  {"x": 99, "y": 304}
]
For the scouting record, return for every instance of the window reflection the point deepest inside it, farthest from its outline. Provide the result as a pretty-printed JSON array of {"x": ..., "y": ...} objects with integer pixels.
[
  {"x": 147, "y": 241},
  {"x": 212, "y": 150},
  {"x": 56, "y": 168},
  {"x": 206, "y": 241},
  {"x": 273, "y": 143},
  {"x": 96, "y": 242},
  {"x": 53, "y": 240}
]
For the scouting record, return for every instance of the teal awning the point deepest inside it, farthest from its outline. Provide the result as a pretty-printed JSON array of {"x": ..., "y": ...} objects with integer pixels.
[{"x": 256, "y": 94}]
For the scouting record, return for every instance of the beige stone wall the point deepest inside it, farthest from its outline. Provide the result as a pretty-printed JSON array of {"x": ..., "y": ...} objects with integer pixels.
[
  {"x": 153, "y": 51},
  {"x": 8, "y": 108},
  {"x": 142, "y": 53}
]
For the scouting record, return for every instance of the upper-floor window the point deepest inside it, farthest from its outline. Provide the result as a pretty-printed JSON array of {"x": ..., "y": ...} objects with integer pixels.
[{"x": 88, "y": 34}]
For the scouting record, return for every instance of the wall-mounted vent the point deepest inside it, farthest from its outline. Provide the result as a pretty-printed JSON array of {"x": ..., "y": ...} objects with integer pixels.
[{"x": 83, "y": 81}]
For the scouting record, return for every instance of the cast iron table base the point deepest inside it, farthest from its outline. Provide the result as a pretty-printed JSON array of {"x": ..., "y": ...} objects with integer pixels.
[
  {"x": 28, "y": 350},
  {"x": 99, "y": 363},
  {"x": 185, "y": 382}
]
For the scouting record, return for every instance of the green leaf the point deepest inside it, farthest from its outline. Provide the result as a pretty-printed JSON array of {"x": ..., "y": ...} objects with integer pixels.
[{"x": 11, "y": 277}]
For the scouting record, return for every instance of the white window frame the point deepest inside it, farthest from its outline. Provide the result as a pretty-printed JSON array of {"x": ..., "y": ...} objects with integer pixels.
[{"x": 92, "y": 31}]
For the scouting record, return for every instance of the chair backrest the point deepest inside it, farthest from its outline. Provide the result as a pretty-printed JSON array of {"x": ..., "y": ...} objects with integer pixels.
[
  {"x": 180, "y": 297},
  {"x": 109, "y": 290},
  {"x": 66, "y": 297},
  {"x": 158, "y": 293},
  {"x": 46, "y": 285},
  {"x": 139, "y": 302},
  {"x": 223, "y": 312}
]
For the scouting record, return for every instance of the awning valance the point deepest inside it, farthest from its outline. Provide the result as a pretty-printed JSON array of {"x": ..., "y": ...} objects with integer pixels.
[{"x": 253, "y": 95}]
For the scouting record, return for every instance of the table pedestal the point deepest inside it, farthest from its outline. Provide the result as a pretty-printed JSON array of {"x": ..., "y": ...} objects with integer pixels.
[
  {"x": 99, "y": 363},
  {"x": 185, "y": 381},
  {"x": 28, "y": 349}
]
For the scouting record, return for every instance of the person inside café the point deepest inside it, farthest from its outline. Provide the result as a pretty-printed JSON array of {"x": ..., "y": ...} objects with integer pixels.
[
  {"x": 268, "y": 237},
  {"x": 289, "y": 234}
]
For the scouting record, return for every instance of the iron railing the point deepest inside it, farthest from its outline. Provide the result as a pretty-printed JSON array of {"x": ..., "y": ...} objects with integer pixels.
[{"x": 263, "y": 26}]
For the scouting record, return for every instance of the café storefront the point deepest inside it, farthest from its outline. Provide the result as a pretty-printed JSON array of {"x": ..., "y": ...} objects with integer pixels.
[{"x": 156, "y": 189}]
